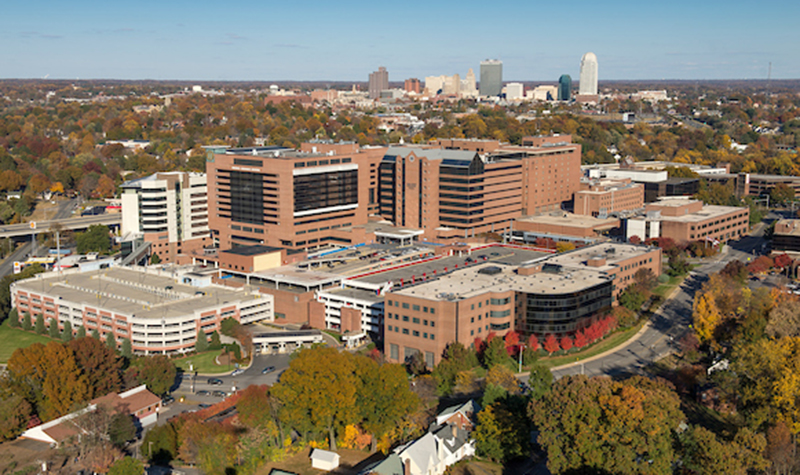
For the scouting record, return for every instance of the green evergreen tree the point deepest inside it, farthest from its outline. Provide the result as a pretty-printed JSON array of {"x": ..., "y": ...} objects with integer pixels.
[
  {"x": 127, "y": 349},
  {"x": 26, "y": 322},
  {"x": 53, "y": 329},
  {"x": 40, "y": 324},
  {"x": 66, "y": 333},
  {"x": 13, "y": 318},
  {"x": 95, "y": 334},
  {"x": 216, "y": 344},
  {"x": 111, "y": 342},
  {"x": 81, "y": 332},
  {"x": 202, "y": 342}
]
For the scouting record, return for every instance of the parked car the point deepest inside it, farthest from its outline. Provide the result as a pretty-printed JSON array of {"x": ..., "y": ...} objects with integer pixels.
[
  {"x": 167, "y": 400},
  {"x": 203, "y": 406},
  {"x": 268, "y": 370},
  {"x": 202, "y": 393},
  {"x": 237, "y": 372},
  {"x": 218, "y": 393},
  {"x": 215, "y": 381}
]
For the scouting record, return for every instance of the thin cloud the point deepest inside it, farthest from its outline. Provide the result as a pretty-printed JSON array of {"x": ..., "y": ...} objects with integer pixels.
[
  {"x": 289, "y": 45},
  {"x": 36, "y": 34}
]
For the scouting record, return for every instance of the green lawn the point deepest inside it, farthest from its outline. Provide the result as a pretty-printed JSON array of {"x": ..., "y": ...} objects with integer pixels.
[
  {"x": 611, "y": 342},
  {"x": 13, "y": 338},
  {"x": 203, "y": 363}
]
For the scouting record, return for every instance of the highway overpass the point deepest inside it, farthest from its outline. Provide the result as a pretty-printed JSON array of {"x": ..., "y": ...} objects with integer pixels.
[{"x": 26, "y": 229}]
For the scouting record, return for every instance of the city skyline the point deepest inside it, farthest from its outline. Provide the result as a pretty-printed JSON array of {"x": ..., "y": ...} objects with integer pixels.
[{"x": 255, "y": 41}]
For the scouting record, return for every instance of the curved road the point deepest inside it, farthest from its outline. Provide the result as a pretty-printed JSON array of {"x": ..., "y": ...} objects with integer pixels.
[{"x": 669, "y": 324}]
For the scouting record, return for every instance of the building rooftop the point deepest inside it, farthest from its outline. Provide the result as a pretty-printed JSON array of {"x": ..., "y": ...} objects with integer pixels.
[
  {"x": 612, "y": 252},
  {"x": 472, "y": 282},
  {"x": 252, "y": 250},
  {"x": 133, "y": 291},
  {"x": 572, "y": 220},
  {"x": 432, "y": 153},
  {"x": 708, "y": 212},
  {"x": 788, "y": 227}
]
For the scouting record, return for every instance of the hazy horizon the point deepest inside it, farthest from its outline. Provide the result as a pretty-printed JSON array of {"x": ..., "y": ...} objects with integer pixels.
[{"x": 256, "y": 41}]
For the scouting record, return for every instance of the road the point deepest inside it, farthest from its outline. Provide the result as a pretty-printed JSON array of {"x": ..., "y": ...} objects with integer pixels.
[
  {"x": 672, "y": 320},
  {"x": 65, "y": 209},
  {"x": 251, "y": 375},
  {"x": 66, "y": 222}
]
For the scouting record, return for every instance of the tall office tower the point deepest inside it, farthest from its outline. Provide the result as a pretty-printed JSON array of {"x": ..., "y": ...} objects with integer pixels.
[
  {"x": 295, "y": 199},
  {"x": 564, "y": 87},
  {"x": 491, "y": 77},
  {"x": 378, "y": 81},
  {"x": 170, "y": 211},
  {"x": 588, "y": 85}
]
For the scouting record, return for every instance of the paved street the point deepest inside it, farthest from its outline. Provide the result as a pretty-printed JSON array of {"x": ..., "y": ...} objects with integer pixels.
[
  {"x": 672, "y": 320},
  {"x": 252, "y": 375}
]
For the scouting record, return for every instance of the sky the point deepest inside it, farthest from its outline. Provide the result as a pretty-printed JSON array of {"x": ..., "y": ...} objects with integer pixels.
[{"x": 308, "y": 40}]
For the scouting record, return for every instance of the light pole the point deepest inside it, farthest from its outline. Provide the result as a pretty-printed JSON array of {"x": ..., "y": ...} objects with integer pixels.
[{"x": 521, "y": 350}]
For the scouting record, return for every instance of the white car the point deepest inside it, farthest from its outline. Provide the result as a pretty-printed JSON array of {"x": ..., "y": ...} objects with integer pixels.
[{"x": 237, "y": 372}]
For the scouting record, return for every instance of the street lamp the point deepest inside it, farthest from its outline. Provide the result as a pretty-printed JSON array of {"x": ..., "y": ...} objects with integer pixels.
[{"x": 521, "y": 350}]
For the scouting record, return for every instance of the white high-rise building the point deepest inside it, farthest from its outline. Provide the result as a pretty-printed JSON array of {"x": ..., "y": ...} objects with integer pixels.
[
  {"x": 514, "y": 91},
  {"x": 169, "y": 210},
  {"x": 588, "y": 81}
]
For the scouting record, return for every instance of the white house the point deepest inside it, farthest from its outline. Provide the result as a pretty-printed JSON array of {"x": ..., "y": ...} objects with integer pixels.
[{"x": 324, "y": 459}]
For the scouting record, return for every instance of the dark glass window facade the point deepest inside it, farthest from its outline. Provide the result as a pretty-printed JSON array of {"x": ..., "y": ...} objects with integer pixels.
[
  {"x": 324, "y": 190},
  {"x": 247, "y": 197},
  {"x": 564, "y": 313}
]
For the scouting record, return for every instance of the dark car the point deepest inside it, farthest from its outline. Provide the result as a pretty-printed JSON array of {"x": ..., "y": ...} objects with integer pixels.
[
  {"x": 202, "y": 393},
  {"x": 215, "y": 381},
  {"x": 203, "y": 406},
  {"x": 218, "y": 393},
  {"x": 167, "y": 400},
  {"x": 268, "y": 370}
]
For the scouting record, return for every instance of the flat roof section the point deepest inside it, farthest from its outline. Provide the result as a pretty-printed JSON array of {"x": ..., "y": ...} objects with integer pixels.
[
  {"x": 504, "y": 255},
  {"x": 612, "y": 252},
  {"x": 572, "y": 220},
  {"x": 252, "y": 250},
  {"x": 133, "y": 292},
  {"x": 708, "y": 212},
  {"x": 471, "y": 282},
  {"x": 354, "y": 294}
]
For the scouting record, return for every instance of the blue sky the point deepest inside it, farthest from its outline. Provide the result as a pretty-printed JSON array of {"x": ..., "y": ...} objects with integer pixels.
[{"x": 345, "y": 40}]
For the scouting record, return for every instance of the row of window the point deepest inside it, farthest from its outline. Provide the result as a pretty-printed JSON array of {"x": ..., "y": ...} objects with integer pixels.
[
  {"x": 413, "y": 320},
  {"x": 414, "y": 307},
  {"x": 406, "y": 331}
]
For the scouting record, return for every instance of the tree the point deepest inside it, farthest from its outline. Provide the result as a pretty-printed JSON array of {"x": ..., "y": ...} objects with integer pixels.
[
  {"x": 784, "y": 319},
  {"x": 215, "y": 343},
  {"x": 503, "y": 377},
  {"x": 456, "y": 359},
  {"x": 502, "y": 432},
  {"x": 15, "y": 412},
  {"x": 781, "y": 194},
  {"x": 257, "y": 411},
  {"x": 599, "y": 425},
  {"x": 415, "y": 364},
  {"x": 551, "y": 344},
  {"x": 52, "y": 329},
  {"x": 706, "y": 317},
  {"x": 156, "y": 371},
  {"x": 566, "y": 343},
  {"x": 495, "y": 353},
  {"x": 26, "y": 322},
  {"x": 202, "y": 342},
  {"x": 121, "y": 429},
  {"x": 94, "y": 239},
  {"x": 99, "y": 364},
  {"x": 81, "y": 332},
  {"x": 705, "y": 454},
  {"x": 384, "y": 397},
  {"x": 780, "y": 448},
  {"x": 111, "y": 341},
  {"x": 162, "y": 444},
  {"x": 155, "y": 259},
  {"x": 40, "y": 329},
  {"x": 127, "y": 349},
  {"x": 318, "y": 392},
  {"x": 632, "y": 298},
  {"x": 126, "y": 466},
  {"x": 95, "y": 334},
  {"x": 66, "y": 333}
]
